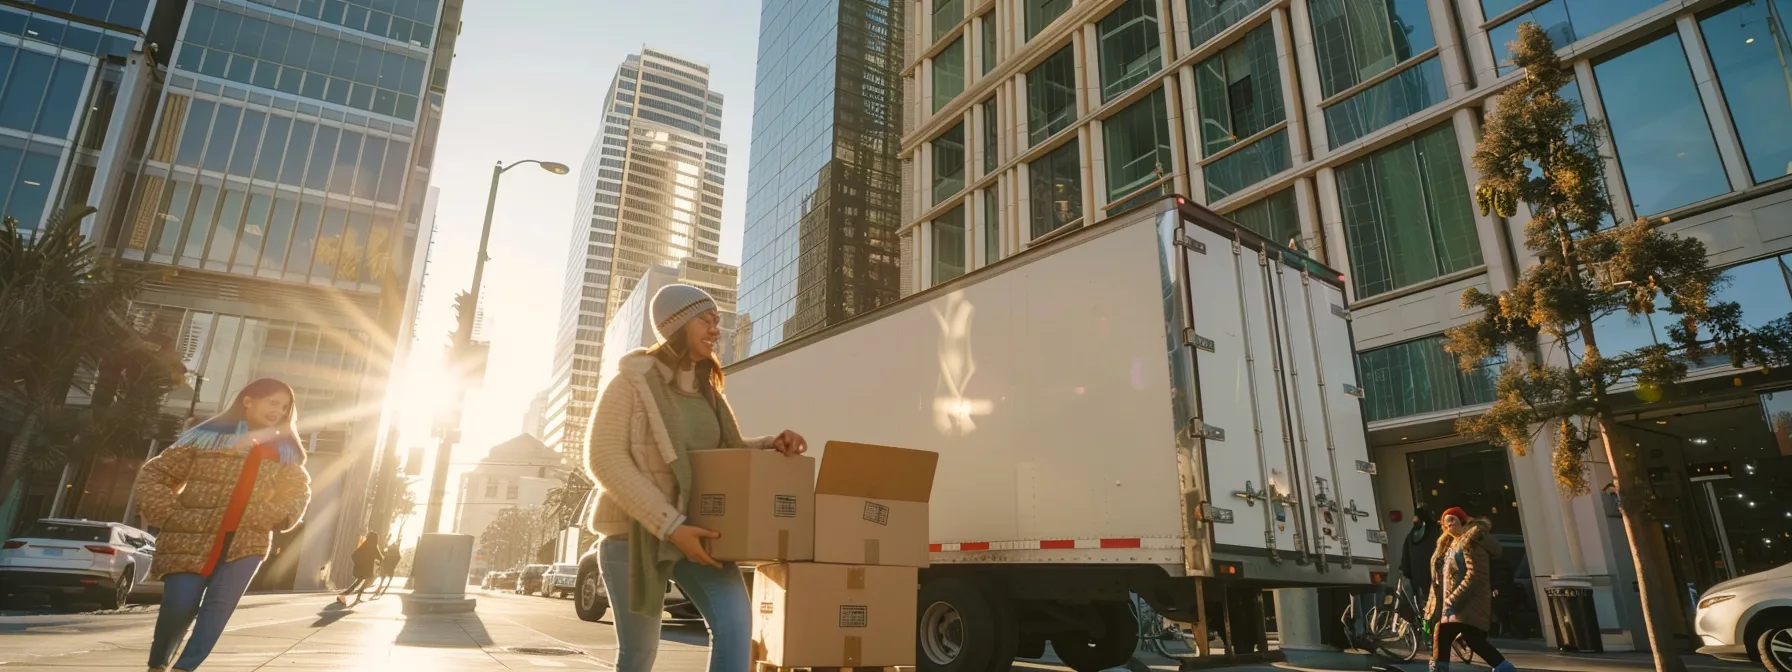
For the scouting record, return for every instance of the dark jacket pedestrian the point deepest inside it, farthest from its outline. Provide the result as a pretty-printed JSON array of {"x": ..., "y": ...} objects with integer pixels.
[
  {"x": 367, "y": 558},
  {"x": 1415, "y": 554}
]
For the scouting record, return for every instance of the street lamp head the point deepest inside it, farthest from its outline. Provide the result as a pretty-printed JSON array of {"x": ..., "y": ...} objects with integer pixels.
[{"x": 555, "y": 168}]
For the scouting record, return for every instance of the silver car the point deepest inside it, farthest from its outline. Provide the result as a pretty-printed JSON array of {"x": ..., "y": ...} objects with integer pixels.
[{"x": 560, "y": 580}]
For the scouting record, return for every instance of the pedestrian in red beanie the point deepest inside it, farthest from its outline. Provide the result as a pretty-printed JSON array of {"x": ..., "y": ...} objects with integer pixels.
[{"x": 1462, "y": 589}]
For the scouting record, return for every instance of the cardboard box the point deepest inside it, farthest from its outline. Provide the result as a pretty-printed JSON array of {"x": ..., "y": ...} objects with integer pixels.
[
  {"x": 818, "y": 615},
  {"x": 871, "y": 505},
  {"x": 760, "y": 501}
]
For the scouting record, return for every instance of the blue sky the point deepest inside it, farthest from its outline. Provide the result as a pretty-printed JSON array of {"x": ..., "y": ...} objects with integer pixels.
[{"x": 527, "y": 82}]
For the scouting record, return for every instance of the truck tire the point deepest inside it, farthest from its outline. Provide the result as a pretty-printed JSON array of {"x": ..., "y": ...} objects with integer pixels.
[
  {"x": 1112, "y": 648},
  {"x": 589, "y": 600},
  {"x": 961, "y": 629}
]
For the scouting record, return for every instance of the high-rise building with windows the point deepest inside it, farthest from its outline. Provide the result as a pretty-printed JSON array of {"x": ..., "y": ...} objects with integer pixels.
[
  {"x": 278, "y": 197},
  {"x": 650, "y": 193},
  {"x": 1346, "y": 129},
  {"x": 823, "y": 186}
]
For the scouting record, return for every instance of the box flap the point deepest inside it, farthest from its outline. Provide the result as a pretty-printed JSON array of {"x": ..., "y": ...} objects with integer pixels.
[{"x": 876, "y": 472}]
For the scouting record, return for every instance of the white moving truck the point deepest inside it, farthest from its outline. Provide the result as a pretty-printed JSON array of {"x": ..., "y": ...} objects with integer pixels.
[{"x": 1163, "y": 403}]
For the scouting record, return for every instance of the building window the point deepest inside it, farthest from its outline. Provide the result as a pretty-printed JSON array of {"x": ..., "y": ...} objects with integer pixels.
[
  {"x": 1658, "y": 127},
  {"x": 1057, "y": 189},
  {"x": 1750, "y": 48},
  {"x": 1138, "y": 146},
  {"x": 946, "y": 15},
  {"x": 992, "y": 226},
  {"x": 26, "y": 174},
  {"x": 1051, "y": 95},
  {"x": 1241, "y": 93},
  {"x": 1393, "y": 99},
  {"x": 948, "y": 74},
  {"x": 1041, "y": 13},
  {"x": 948, "y": 163},
  {"x": 1130, "y": 47},
  {"x": 948, "y": 245},
  {"x": 1275, "y": 217},
  {"x": 989, "y": 42},
  {"x": 991, "y": 146},
  {"x": 1208, "y": 18},
  {"x": 1566, "y": 21},
  {"x": 1359, "y": 40},
  {"x": 1407, "y": 213},
  {"x": 491, "y": 488},
  {"x": 1421, "y": 377},
  {"x": 510, "y": 487},
  {"x": 1761, "y": 288},
  {"x": 40, "y": 93}
]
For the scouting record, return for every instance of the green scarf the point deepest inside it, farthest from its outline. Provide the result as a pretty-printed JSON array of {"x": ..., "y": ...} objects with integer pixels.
[{"x": 650, "y": 559}]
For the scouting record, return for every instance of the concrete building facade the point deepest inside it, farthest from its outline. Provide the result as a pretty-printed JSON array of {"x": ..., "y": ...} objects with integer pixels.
[{"x": 1346, "y": 129}]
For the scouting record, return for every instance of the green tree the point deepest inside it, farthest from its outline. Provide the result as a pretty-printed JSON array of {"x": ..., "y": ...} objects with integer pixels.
[
  {"x": 516, "y": 535},
  {"x": 64, "y": 312},
  {"x": 1533, "y": 152}
]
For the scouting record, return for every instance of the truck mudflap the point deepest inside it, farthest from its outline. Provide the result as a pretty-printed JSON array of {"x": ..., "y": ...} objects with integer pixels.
[{"x": 1275, "y": 403}]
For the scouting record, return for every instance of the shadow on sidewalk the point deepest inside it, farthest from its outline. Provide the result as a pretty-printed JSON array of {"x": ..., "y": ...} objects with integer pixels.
[{"x": 458, "y": 631}]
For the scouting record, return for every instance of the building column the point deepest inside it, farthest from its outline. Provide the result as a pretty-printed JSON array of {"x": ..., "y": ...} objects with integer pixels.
[
  {"x": 1307, "y": 58},
  {"x": 1297, "y": 619},
  {"x": 1286, "y": 67},
  {"x": 1623, "y": 208},
  {"x": 1312, "y": 230},
  {"x": 1331, "y": 223},
  {"x": 1449, "y": 52},
  {"x": 1193, "y": 180},
  {"x": 1179, "y": 157},
  {"x": 1092, "y": 180},
  {"x": 1476, "y": 43}
]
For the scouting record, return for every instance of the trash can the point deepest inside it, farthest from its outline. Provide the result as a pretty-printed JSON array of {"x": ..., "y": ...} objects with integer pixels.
[{"x": 1577, "y": 623}]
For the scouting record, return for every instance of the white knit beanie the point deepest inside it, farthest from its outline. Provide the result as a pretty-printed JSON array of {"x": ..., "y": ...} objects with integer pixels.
[{"x": 674, "y": 305}]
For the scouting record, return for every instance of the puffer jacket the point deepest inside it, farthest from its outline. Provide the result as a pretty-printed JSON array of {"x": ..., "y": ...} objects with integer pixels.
[
  {"x": 186, "y": 491},
  {"x": 629, "y": 453},
  {"x": 1462, "y": 588}
]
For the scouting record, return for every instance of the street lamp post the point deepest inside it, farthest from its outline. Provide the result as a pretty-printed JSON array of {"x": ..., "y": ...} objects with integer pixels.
[
  {"x": 439, "y": 583},
  {"x": 463, "y": 334}
]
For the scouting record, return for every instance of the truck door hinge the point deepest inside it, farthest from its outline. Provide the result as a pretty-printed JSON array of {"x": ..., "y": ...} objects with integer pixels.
[
  {"x": 1213, "y": 514},
  {"x": 1188, "y": 241},
  {"x": 1355, "y": 513},
  {"x": 1202, "y": 430},
  {"x": 1340, "y": 311}
]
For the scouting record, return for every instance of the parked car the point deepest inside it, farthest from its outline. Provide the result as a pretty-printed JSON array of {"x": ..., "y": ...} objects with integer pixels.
[
  {"x": 69, "y": 558},
  {"x": 559, "y": 580},
  {"x": 499, "y": 581},
  {"x": 528, "y": 582},
  {"x": 1749, "y": 618}
]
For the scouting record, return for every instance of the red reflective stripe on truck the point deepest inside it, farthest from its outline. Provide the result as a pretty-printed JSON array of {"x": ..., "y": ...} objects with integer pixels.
[
  {"x": 934, "y": 548},
  {"x": 1057, "y": 544},
  {"x": 1119, "y": 543}
]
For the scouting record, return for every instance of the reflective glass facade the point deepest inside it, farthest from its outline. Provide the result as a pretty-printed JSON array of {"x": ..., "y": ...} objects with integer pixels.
[
  {"x": 650, "y": 195},
  {"x": 57, "y": 91},
  {"x": 823, "y": 188}
]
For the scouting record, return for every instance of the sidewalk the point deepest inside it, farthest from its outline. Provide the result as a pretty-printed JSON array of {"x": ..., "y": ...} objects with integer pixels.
[{"x": 373, "y": 636}]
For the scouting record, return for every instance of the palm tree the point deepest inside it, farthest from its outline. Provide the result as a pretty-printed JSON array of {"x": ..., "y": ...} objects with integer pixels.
[{"x": 64, "y": 312}]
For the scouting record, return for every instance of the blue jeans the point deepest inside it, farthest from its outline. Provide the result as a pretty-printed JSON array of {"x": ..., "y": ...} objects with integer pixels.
[
  {"x": 210, "y": 598},
  {"x": 719, "y": 594}
]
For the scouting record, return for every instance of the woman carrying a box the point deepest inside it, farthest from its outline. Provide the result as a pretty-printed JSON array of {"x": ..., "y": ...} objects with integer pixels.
[{"x": 664, "y": 402}]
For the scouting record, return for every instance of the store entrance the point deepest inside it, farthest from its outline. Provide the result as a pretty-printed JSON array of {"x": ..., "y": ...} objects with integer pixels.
[
  {"x": 1724, "y": 477},
  {"x": 1478, "y": 478}
]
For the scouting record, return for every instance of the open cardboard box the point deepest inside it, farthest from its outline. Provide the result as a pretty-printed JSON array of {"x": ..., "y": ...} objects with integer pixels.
[{"x": 871, "y": 505}]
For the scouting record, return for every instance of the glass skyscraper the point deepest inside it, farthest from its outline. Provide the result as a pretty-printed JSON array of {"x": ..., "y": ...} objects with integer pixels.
[
  {"x": 824, "y": 183},
  {"x": 650, "y": 193},
  {"x": 279, "y": 190}
]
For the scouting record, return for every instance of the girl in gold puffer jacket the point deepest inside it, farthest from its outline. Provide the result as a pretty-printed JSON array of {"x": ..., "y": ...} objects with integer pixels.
[{"x": 218, "y": 494}]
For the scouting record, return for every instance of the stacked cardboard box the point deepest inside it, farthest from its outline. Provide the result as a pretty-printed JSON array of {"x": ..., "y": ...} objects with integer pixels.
[{"x": 841, "y": 592}]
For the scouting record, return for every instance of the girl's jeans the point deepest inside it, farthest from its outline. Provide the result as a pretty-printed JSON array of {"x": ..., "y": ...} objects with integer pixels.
[
  {"x": 210, "y": 598},
  {"x": 719, "y": 593}
]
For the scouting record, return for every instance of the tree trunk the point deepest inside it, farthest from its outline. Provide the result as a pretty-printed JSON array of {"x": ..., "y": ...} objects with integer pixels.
[
  {"x": 1648, "y": 548},
  {"x": 14, "y": 466}
]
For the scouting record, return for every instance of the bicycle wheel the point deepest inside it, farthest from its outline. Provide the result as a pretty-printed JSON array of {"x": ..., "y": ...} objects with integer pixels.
[{"x": 1395, "y": 637}]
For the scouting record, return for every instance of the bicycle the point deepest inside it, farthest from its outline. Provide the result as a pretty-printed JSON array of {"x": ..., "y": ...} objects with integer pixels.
[
  {"x": 1157, "y": 632},
  {"x": 1386, "y": 631},
  {"x": 1403, "y": 618}
]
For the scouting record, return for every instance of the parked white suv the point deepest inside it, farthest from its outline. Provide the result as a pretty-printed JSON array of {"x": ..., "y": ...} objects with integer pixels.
[
  {"x": 559, "y": 580},
  {"x": 107, "y": 562},
  {"x": 1749, "y": 618}
]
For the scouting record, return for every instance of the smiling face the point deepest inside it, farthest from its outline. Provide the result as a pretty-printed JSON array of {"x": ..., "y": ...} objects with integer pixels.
[
  {"x": 269, "y": 411},
  {"x": 701, "y": 335},
  {"x": 1452, "y": 525}
]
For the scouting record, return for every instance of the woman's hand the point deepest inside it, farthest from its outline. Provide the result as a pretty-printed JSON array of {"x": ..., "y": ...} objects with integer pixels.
[
  {"x": 790, "y": 443},
  {"x": 689, "y": 540}
]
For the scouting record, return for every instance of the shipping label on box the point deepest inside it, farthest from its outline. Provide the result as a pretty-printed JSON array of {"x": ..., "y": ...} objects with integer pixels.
[
  {"x": 821, "y": 615},
  {"x": 760, "y": 501},
  {"x": 871, "y": 505}
]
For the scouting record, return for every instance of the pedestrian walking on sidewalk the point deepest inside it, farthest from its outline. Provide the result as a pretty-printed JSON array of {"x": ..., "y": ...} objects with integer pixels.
[
  {"x": 367, "y": 563},
  {"x": 1415, "y": 554},
  {"x": 218, "y": 494},
  {"x": 665, "y": 402},
  {"x": 1461, "y": 601},
  {"x": 388, "y": 566}
]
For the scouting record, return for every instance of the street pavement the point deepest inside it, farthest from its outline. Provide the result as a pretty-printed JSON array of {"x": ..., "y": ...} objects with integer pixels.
[{"x": 300, "y": 631}]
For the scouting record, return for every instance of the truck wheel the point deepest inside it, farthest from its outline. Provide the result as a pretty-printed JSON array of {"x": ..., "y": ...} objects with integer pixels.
[
  {"x": 1112, "y": 648},
  {"x": 961, "y": 629},
  {"x": 590, "y": 602}
]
